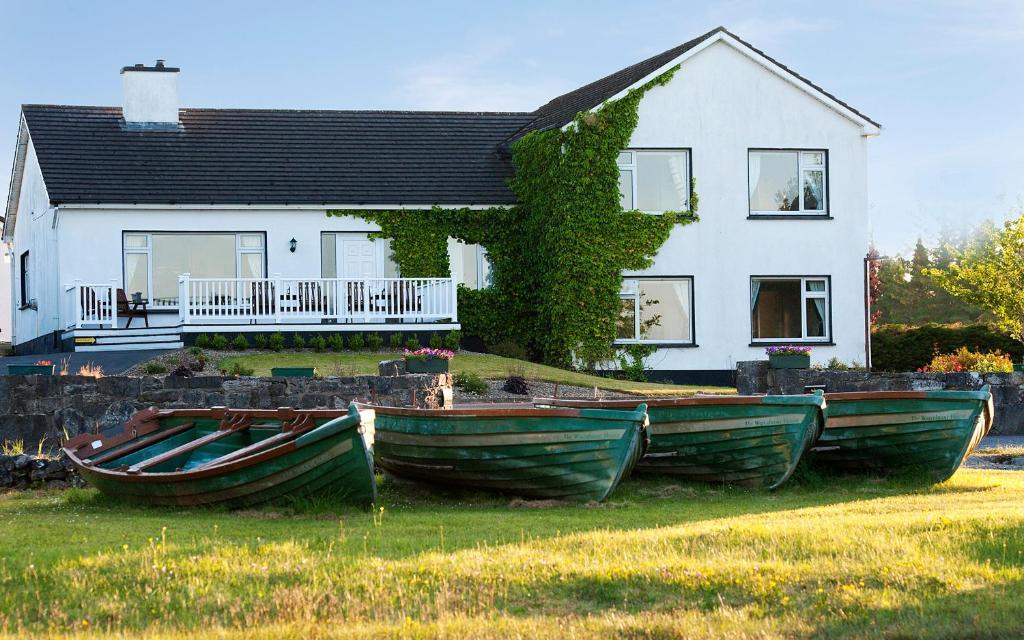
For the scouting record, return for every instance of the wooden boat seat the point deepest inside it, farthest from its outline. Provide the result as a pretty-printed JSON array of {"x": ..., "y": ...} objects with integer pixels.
[{"x": 142, "y": 443}]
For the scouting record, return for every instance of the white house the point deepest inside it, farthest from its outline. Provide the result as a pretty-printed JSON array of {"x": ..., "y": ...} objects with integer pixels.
[{"x": 217, "y": 218}]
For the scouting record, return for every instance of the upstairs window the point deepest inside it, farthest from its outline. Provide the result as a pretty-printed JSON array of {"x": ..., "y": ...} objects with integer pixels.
[
  {"x": 654, "y": 181},
  {"x": 788, "y": 182},
  {"x": 790, "y": 309}
]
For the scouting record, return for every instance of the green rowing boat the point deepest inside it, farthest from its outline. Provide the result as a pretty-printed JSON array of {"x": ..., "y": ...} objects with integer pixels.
[
  {"x": 754, "y": 441},
  {"x": 566, "y": 454},
  {"x": 932, "y": 431},
  {"x": 230, "y": 457}
]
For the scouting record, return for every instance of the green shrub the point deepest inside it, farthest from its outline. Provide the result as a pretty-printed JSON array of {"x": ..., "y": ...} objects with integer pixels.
[
  {"x": 203, "y": 341},
  {"x": 453, "y": 340},
  {"x": 356, "y": 341},
  {"x": 154, "y": 368},
  {"x": 276, "y": 341},
  {"x": 966, "y": 360},
  {"x": 196, "y": 352},
  {"x": 260, "y": 341},
  {"x": 219, "y": 342},
  {"x": 395, "y": 341},
  {"x": 412, "y": 344},
  {"x": 374, "y": 342},
  {"x": 318, "y": 343},
  {"x": 897, "y": 347},
  {"x": 508, "y": 349},
  {"x": 470, "y": 382},
  {"x": 631, "y": 361},
  {"x": 298, "y": 342},
  {"x": 436, "y": 341},
  {"x": 335, "y": 342},
  {"x": 240, "y": 343},
  {"x": 238, "y": 369}
]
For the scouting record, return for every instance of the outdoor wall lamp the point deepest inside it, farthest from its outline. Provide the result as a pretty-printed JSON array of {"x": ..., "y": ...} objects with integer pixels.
[{"x": 292, "y": 244}]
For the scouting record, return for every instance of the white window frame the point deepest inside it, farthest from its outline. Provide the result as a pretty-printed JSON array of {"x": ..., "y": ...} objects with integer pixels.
[
  {"x": 632, "y": 167},
  {"x": 148, "y": 252},
  {"x": 633, "y": 291},
  {"x": 803, "y": 163},
  {"x": 805, "y": 295}
]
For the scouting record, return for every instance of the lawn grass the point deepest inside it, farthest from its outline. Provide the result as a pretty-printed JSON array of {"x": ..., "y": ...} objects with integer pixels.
[
  {"x": 834, "y": 557},
  {"x": 485, "y": 365}
]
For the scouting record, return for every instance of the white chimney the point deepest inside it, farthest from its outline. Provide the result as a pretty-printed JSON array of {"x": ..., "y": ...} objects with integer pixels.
[{"x": 151, "y": 95}]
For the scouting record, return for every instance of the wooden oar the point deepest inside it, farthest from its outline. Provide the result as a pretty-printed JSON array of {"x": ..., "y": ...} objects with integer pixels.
[
  {"x": 142, "y": 443},
  {"x": 294, "y": 424},
  {"x": 249, "y": 450}
]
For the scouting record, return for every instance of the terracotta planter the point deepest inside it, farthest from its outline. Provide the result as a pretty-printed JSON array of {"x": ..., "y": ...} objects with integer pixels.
[
  {"x": 781, "y": 361},
  {"x": 427, "y": 365}
]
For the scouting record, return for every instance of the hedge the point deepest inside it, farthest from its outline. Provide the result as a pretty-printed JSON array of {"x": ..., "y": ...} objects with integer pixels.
[{"x": 900, "y": 347}]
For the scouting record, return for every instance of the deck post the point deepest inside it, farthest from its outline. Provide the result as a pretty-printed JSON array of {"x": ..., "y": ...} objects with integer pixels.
[
  {"x": 455, "y": 300},
  {"x": 77, "y": 311},
  {"x": 366, "y": 299},
  {"x": 184, "y": 312},
  {"x": 112, "y": 301},
  {"x": 278, "y": 297}
]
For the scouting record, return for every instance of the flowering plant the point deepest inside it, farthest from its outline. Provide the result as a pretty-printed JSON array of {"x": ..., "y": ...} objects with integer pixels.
[
  {"x": 788, "y": 350},
  {"x": 427, "y": 353},
  {"x": 963, "y": 359},
  {"x": 44, "y": 363}
]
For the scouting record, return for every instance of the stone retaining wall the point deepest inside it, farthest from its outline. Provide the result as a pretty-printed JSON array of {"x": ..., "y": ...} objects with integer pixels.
[
  {"x": 52, "y": 408},
  {"x": 1007, "y": 388}
]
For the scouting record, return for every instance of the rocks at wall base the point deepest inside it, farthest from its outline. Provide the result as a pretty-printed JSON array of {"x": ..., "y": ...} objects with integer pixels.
[{"x": 25, "y": 471}]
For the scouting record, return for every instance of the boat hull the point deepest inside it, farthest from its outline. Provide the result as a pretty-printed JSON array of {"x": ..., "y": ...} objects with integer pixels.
[
  {"x": 754, "y": 441},
  {"x": 563, "y": 454},
  {"x": 331, "y": 457},
  {"x": 889, "y": 431}
]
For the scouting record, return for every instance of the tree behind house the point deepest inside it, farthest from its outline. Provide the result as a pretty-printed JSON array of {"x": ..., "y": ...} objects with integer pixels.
[{"x": 990, "y": 273}]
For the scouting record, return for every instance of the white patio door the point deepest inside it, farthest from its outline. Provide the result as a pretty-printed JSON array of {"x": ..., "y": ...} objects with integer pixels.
[{"x": 357, "y": 257}]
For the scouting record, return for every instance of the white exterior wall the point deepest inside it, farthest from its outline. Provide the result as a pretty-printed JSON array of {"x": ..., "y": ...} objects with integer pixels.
[
  {"x": 34, "y": 232},
  {"x": 6, "y": 275},
  {"x": 92, "y": 238},
  {"x": 720, "y": 104}
]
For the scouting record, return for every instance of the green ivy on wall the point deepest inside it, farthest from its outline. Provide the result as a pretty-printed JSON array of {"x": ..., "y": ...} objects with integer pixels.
[{"x": 557, "y": 257}]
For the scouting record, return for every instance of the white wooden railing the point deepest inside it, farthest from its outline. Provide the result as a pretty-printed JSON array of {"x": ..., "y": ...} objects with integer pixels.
[
  {"x": 304, "y": 300},
  {"x": 91, "y": 304}
]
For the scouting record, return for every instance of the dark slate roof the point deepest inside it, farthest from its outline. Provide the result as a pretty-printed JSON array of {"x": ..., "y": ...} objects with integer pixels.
[
  {"x": 561, "y": 110},
  {"x": 228, "y": 156},
  {"x": 250, "y": 156}
]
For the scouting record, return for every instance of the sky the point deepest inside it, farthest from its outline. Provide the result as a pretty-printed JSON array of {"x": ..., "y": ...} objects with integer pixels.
[{"x": 943, "y": 77}]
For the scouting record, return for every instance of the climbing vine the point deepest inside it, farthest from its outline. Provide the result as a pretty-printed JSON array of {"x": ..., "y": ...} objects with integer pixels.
[{"x": 557, "y": 257}]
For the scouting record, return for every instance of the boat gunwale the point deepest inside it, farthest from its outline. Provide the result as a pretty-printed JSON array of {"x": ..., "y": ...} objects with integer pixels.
[
  {"x": 507, "y": 410},
  {"x": 682, "y": 401},
  {"x": 948, "y": 395}
]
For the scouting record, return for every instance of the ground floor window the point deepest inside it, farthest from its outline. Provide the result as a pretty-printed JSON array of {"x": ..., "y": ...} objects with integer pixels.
[
  {"x": 656, "y": 310},
  {"x": 24, "y": 273},
  {"x": 154, "y": 260},
  {"x": 789, "y": 308},
  {"x": 470, "y": 264}
]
